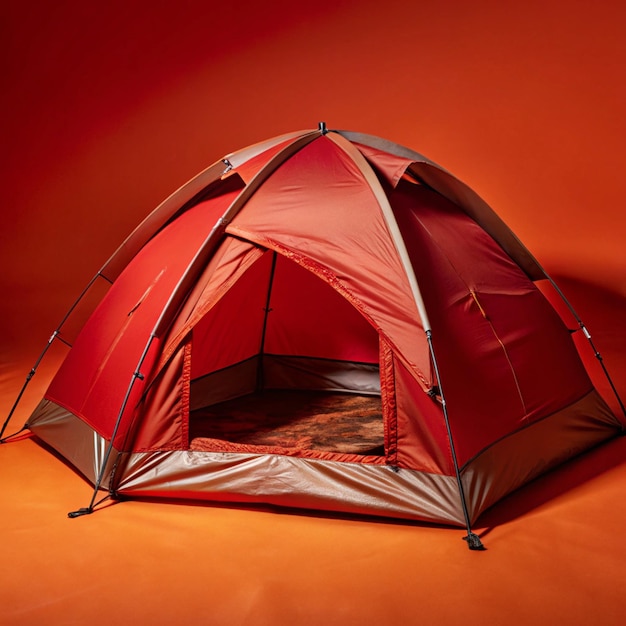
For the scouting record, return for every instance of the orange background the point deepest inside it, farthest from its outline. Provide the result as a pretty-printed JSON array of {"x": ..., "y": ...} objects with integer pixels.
[{"x": 109, "y": 107}]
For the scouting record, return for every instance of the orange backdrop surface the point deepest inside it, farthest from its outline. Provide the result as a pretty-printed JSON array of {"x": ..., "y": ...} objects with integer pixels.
[{"x": 109, "y": 107}]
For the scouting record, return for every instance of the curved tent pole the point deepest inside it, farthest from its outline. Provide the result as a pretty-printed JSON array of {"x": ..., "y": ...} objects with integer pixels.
[
  {"x": 107, "y": 455},
  {"x": 120, "y": 258},
  {"x": 473, "y": 541},
  {"x": 184, "y": 195},
  {"x": 55, "y": 335},
  {"x": 160, "y": 216},
  {"x": 180, "y": 291},
  {"x": 432, "y": 175},
  {"x": 218, "y": 230},
  {"x": 436, "y": 177}
]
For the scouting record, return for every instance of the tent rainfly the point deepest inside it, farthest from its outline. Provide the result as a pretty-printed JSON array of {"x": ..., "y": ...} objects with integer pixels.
[{"x": 324, "y": 320}]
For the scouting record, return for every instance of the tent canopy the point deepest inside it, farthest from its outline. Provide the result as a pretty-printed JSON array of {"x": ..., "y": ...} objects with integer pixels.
[{"x": 324, "y": 262}]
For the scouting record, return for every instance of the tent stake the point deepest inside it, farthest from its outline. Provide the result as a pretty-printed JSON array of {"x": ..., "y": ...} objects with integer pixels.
[
  {"x": 88, "y": 510},
  {"x": 80, "y": 512},
  {"x": 473, "y": 540}
]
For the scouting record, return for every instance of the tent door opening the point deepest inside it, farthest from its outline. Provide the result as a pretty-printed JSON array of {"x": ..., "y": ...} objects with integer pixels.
[{"x": 285, "y": 364}]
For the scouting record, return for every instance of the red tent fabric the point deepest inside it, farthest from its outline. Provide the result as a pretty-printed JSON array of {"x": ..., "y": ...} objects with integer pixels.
[{"x": 329, "y": 267}]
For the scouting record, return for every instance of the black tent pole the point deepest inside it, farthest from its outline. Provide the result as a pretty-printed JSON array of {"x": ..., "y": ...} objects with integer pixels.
[
  {"x": 587, "y": 334},
  {"x": 137, "y": 375},
  {"x": 33, "y": 371},
  {"x": 260, "y": 379},
  {"x": 180, "y": 291},
  {"x": 473, "y": 540}
]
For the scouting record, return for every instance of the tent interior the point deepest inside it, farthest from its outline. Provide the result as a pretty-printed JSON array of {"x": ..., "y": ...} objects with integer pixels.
[{"x": 284, "y": 362}]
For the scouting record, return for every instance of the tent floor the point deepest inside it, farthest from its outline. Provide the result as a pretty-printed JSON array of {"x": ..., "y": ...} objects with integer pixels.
[{"x": 293, "y": 419}]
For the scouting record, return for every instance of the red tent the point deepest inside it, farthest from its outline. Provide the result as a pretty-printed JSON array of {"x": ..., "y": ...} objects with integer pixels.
[{"x": 325, "y": 320}]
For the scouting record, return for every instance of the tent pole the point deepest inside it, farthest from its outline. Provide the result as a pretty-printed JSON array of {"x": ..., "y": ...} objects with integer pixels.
[
  {"x": 177, "y": 295},
  {"x": 473, "y": 540},
  {"x": 33, "y": 371},
  {"x": 137, "y": 375},
  {"x": 260, "y": 377},
  {"x": 585, "y": 331}
]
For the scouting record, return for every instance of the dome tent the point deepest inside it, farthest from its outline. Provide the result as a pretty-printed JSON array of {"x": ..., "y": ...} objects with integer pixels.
[{"x": 325, "y": 320}]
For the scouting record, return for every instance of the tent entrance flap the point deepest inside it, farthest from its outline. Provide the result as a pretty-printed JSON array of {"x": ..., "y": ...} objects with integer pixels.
[{"x": 313, "y": 351}]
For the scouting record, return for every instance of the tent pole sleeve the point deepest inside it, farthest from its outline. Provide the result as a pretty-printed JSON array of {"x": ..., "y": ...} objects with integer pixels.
[
  {"x": 159, "y": 217},
  {"x": 217, "y": 232},
  {"x": 431, "y": 174},
  {"x": 390, "y": 220},
  {"x": 473, "y": 541},
  {"x": 260, "y": 378},
  {"x": 587, "y": 334},
  {"x": 33, "y": 371},
  {"x": 186, "y": 195}
]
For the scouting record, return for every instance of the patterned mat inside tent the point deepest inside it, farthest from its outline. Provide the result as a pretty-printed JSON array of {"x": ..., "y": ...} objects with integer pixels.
[{"x": 291, "y": 420}]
